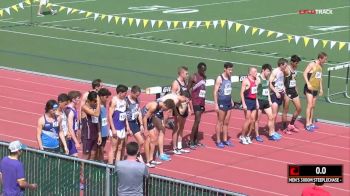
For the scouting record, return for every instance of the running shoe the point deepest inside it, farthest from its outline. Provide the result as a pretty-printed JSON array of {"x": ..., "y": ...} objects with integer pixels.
[
  {"x": 277, "y": 135},
  {"x": 153, "y": 162},
  {"x": 220, "y": 145},
  {"x": 53, "y": 12},
  {"x": 184, "y": 150},
  {"x": 177, "y": 151},
  {"x": 248, "y": 139},
  {"x": 150, "y": 165},
  {"x": 314, "y": 126},
  {"x": 228, "y": 143},
  {"x": 192, "y": 145},
  {"x": 309, "y": 128},
  {"x": 40, "y": 15},
  {"x": 259, "y": 138},
  {"x": 274, "y": 137},
  {"x": 164, "y": 157},
  {"x": 243, "y": 140},
  {"x": 292, "y": 128}
]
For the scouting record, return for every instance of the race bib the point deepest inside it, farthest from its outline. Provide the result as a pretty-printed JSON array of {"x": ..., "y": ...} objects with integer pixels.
[
  {"x": 94, "y": 119},
  {"x": 227, "y": 91},
  {"x": 318, "y": 75},
  {"x": 254, "y": 90},
  {"x": 76, "y": 125},
  {"x": 104, "y": 122},
  {"x": 292, "y": 83},
  {"x": 122, "y": 116},
  {"x": 134, "y": 115},
  {"x": 279, "y": 86},
  {"x": 265, "y": 92},
  {"x": 55, "y": 124},
  {"x": 202, "y": 93}
]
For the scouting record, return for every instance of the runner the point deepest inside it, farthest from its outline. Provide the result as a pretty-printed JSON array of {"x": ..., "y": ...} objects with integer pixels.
[
  {"x": 196, "y": 86},
  {"x": 223, "y": 105},
  {"x": 265, "y": 103},
  {"x": 292, "y": 95},
  {"x": 63, "y": 101},
  {"x": 313, "y": 85},
  {"x": 71, "y": 112},
  {"x": 104, "y": 94},
  {"x": 45, "y": 3},
  {"x": 118, "y": 123},
  {"x": 249, "y": 103},
  {"x": 152, "y": 116}
]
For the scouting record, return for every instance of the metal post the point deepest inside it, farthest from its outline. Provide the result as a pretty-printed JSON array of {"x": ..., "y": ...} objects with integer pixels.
[
  {"x": 108, "y": 181},
  {"x": 31, "y": 13},
  {"x": 347, "y": 83}
]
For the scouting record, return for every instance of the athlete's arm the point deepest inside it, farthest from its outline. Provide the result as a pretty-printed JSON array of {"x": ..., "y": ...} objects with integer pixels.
[
  {"x": 244, "y": 86},
  {"x": 272, "y": 77},
  {"x": 70, "y": 118},
  {"x": 82, "y": 102},
  {"x": 151, "y": 109},
  {"x": 112, "y": 106},
  {"x": 306, "y": 71},
  {"x": 175, "y": 87},
  {"x": 93, "y": 112},
  {"x": 191, "y": 83},
  {"x": 140, "y": 120},
  {"x": 215, "y": 91},
  {"x": 62, "y": 138},
  {"x": 39, "y": 131}
]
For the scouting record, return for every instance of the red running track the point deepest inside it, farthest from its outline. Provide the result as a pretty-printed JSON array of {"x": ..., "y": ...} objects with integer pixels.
[{"x": 256, "y": 169}]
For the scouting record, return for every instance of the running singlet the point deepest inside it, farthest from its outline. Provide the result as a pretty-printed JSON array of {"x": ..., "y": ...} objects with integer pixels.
[
  {"x": 315, "y": 77},
  {"x": 224, "y": 94},
  {"x": 290, "y": 81},
  {"x": 251, "y": 92},
  {"x": 119, "y": 114},
  {"x": 75, "y": 118},
  {"x": 198, "y": 90},
  {"x": 49, "y": 134},
  {"x": 263, "y": 89},
  {"x": 103, "y": 121},
  {"x": 132, "y": 109},
  {"x": 278, "y": 82},
  {"x": 89, "y": 130}
]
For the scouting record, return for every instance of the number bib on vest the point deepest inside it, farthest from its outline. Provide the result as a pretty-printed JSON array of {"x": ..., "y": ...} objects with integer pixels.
[
  {"x": 94, "y": 119},
  {"x": 318, "y": 75},
  {"x": 122, "y": 116},
  {"x": 227, "y": 91},
  {"x": 265, "y": 92},
  {"x": 104, "y": 122},
  {"x": 202, "y": 93},
  {"x": 292, "y": 83},
  {"x": 254, "y": 90}
]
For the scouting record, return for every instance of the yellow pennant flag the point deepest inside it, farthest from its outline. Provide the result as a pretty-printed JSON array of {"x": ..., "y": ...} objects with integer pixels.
[
  {"x": 160, "y": 22},
  {"x": 27, "y": 2},
  {"x": 103, "y": 16},
  {"x": 49, "y": 5},
  {"x": 289, "y": 37},
  {"x": 254, "y": 30},
  {"x": 88, "y": 14},
  {"x": 116, "y": 18},
  {"x": 61, "y": 8},
  {"x": 15, "y": 8},
  {"x": 74, "y": 10},
  {"x": 222, "y": 23},
  {"x": 176, "y": 23},
  {"x": 190, "y": 24},
  {"x": 341, "y": 45},
  {"x": 1, "y": 12},
  {"x": 207, "y": 24},
  {"x": 269, "y": 33},
  {"x": 145, "y": 22},
  {"x": 238, "y": 26},
  {"x": 324, "y": 42},
  {"x": 130, "y": 21},
  {"x": 306, "y": 41}
]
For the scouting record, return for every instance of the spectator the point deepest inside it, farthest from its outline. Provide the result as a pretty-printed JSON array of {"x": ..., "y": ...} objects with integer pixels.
[
  {"x": 131, "y": 172},
  {"x": 12, "y": 172},
  {"x": 315, "y": 190}
]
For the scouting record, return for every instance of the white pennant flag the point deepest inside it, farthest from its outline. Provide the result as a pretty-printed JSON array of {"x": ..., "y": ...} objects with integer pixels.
[
  {"x": 96, "y": 16},
  {"x": 82, "y": 12},
  {"x": 123, "y": 20},
  {"x": 261, "y": 31},
  {"x": 296, "y": 39},
  {"x": 8, "y": 10},
  {"x": 137, "y": 22},
  {"x": 109, "y": 18},
  {"x": 184, "y": 24},
  {"x": 198, "y": 23},
  {"x": 332, "y": 44},
  {"x": 215, "y": 23},
  {"x": 21, "y": 5},
  {"x": 168, "y": 24},
  {"x": 69, "y": 10},
  {"x": 152, "y": 23},
  {"x": 279, "y": 34},
  {"x": 246, "y": 27},
  {"x": 229, "y": 24},
  {"x": 315, "y": 41}
]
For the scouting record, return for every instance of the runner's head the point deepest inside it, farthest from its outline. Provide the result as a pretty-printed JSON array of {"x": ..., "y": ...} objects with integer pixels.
[
  {"x": 96, "y": 84},
  {"x": 92, "y": 99},
  {"x": 121, "y": 91},
  {"x": 322, "y": 58},
  {"x": 51, "y": 107},
  {"x": 266, "y": 70},
  {"x": 74, "y": 97},
  {"x": 182, "y": 72},
  {"x": 63, "y": 100},
  {"x": 135, "y": 92},
  {"x": 252, "y": 71},
  {"x": 104, "y": 93},
  {"x": 228, "y": 68},
  {"x": 294, "y": 60},
  {"x": 282, "y": 63},
  {"x": 201, "y": 68},
  {"x": 168, "y": 104}
]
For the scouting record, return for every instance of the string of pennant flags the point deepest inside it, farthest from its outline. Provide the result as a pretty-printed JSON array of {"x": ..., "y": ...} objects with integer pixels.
[{"x": 138, "y": 22}]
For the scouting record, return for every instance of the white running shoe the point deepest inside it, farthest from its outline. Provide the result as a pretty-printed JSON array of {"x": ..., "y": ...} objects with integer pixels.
[
  {"x": 248, "y": 139},
  {"x": 177, "y": 151},
  {"x": 243, "y": 140},
  {"x": 53, "y": 12},
  {"x": 184, "y": 150},
  {"x": 150, "y": 165},
  {"x": 156, "y": 162}
]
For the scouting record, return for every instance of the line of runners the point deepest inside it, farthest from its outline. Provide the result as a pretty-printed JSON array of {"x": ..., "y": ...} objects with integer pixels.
[{"x": 74, "y": 118}]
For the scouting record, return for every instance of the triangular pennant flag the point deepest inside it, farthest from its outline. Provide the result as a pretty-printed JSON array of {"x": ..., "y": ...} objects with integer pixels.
[
  {"x": 96, "y": 15},
  {"x": 341, "y": 45},
  {"x": 198, "y": 23},
  {"x": 153, "y": 22},
  {"x": 229, "y": 24},
  {"x": 176, "y": 23},
  {"x": 332, "y": 44},
  {"x": 109, "y": 18},
  {"x": 69, "y": 10},
  {"x": 116, "y": 19},
  {"x": 238, "y": 26},
  {"x": 137, "y": 22},
  {"x": 27, "y": 2},
  {"x": 289, "y": 38},
  {"x": 306, "y": 40},
  {"x": 324, "y": 42},
  {"x": 168, "y": 24},
  {"x": 315, "y": 41},
  {"x": 261, "y": 31},
  {"x": 190, "y": 24},
  {"x": 160, "y": 22},
  {"x": 74, "y": 10},
  {"x": 103, "y": 16},
  {"x": 14, "y": 7},
  {"x": 145, "y": 22},
  {"x": 123, "y": 20},
  {"x": 246, "y": 27},
  {"x": 279, "y": 34},
  {"x": 269, "y": 33},
  {"x": 207, "y": 24},
  {"x": 296, "y": 38},
  {"x": 131, "y": 20},
  {"x": 1, "y": 12},
  {"x": 184, "y": 24},
  {"x": 215, "y": 23},
  {"x": 254, "y": 30},
  {"x": 21, "y": 5},
  {"x": 8, "y": 11},
  {"x": 61, "y": 8},
  {"x": 49, "y": 5},
  {"x": 82, "y": 12},
  {"x": 222, "y": 23}
]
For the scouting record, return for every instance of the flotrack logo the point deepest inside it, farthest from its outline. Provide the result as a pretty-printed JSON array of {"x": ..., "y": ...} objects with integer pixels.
[{"x": 317, "y": 11}]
